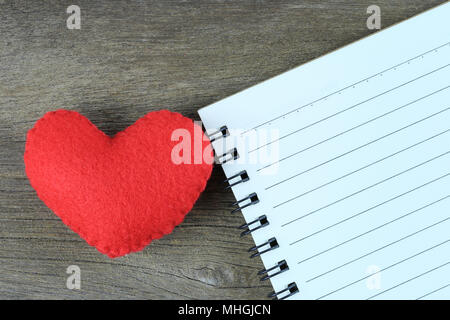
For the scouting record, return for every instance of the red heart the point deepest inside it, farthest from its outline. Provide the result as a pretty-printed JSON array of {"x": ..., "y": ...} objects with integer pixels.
[{"x": 117, "y": 193}]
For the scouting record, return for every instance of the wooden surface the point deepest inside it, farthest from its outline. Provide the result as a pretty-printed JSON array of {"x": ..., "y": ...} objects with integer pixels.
[{"x": 131, "y": 57}]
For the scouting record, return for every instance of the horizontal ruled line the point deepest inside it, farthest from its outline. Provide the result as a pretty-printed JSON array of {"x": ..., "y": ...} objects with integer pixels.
[
  {"x": 365, "y": 189},
  {"x": 364, "y": 167},
  {"x": 375, "y": 206},
  {"x": 409, "y": 280},
  {"x": 371, "y": 230},
  {"x": 371, "y": 142},
  {"x": 376, "y": 118},
  {"x": 386, "y": 268},
  {"x": 384, "y": 246},
  {"x": 352, "y": 107},
  {"x": 434, "y": 291},
  {"x": 345, "y": 88}
]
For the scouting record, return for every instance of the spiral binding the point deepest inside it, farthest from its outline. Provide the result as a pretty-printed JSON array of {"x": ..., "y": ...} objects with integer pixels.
[
  {"x": 290, "y": 291},
  {"x": 258, "y": 223},
  {"x": 251, "y": 200},
  {"x": 272, "y": 244},
  {"x": 243, "y": 175},
  {"x": 282, "y": 266},
  {"x": 262, "y": 223},
  {"x": 228, "y": 156},
  {"x": 219, "y": 134}
]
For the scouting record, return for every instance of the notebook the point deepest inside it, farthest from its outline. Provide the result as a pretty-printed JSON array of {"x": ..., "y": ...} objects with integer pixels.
[{"x": 341, "y": 167}]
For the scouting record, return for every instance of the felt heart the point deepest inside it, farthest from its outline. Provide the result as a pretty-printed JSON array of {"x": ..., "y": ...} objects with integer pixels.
[{"x": 118, "y": 193}]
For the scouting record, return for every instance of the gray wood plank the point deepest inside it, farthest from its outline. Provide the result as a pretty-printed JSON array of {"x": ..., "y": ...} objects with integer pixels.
[{"x": 129, "y": 58}]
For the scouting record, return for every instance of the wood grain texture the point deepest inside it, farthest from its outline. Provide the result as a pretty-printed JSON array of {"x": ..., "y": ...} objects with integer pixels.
[{"x": 131, "y": 57}]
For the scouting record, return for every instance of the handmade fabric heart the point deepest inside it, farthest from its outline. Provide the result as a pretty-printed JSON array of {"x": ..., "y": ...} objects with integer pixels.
[{"x": 118, "y": 193}]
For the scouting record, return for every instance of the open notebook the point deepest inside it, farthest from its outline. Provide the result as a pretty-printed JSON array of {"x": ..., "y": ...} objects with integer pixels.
[{"x": 341, "y": 167}]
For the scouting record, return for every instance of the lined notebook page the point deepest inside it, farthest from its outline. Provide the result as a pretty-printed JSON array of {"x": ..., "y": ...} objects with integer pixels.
[{"x": 353, "y": 170}]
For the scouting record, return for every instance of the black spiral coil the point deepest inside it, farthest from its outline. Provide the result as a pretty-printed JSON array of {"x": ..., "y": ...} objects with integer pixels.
[
  {"x": 219, "y": 134},
  {"x": 281, "y": 266},
  {"x": 258, "y": 223},
  {"x": 262, "y": 220},
  {"x": 243, "y": 178},
  {"x": 251, "y": 200},
  {"x": 290, "y": 291},
  {"x": 227, "y": 156}
]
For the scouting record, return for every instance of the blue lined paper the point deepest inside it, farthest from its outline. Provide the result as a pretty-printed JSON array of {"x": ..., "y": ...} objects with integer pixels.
[{"x": 357, "y": 190}]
